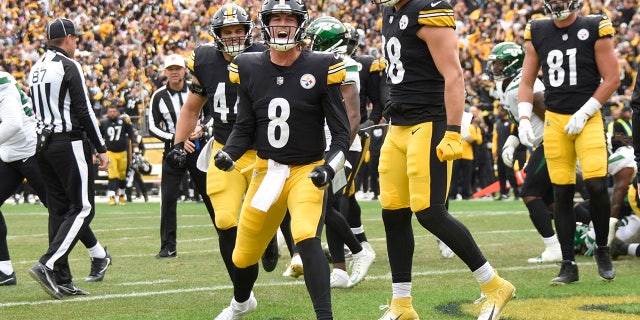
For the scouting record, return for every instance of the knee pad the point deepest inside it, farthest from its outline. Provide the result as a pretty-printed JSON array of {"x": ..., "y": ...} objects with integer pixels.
[{"x": 596, "y": 186}]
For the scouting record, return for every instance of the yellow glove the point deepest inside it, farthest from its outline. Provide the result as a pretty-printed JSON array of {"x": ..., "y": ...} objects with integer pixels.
[{"x": 450, "y": 147}]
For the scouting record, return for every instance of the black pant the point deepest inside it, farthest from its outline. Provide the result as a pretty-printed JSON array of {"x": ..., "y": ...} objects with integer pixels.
[
  {"x": 170, "y": 191},
  {"x": 66, "y": 168}
]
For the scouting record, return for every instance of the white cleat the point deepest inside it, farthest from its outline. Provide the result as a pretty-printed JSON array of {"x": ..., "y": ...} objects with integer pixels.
[
  {"x": 445, "y": 251},
  {"x": 360, "y": 266},
  {"x": 295, "y": 268},
  {"x": 237, "y": 310},
  {"x": 547, "y": 256},
  {"x": 339, "y": 279}
]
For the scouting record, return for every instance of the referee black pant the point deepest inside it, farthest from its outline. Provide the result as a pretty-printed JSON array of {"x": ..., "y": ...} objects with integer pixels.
[
  {"x": 169, "y": 193},
  {"x": 66, "y": 168}
]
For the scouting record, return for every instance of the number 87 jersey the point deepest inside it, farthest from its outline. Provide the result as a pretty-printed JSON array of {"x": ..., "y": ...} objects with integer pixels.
[{"x": 411, "y": 71}]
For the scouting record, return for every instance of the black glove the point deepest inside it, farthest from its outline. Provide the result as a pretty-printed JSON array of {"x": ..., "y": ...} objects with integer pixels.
[
  {"x": 177, "y": 158},
  {"x": 321, "y": 176},
  {"x": 223, "y": 161}
]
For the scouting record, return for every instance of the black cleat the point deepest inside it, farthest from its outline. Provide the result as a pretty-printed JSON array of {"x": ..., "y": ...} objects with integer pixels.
[
  {"x": 166, "y": 253},
  {"x": 8, "y": 279},
  {"x": 70, "y": 289},
  {"x": 44, "y": 276},
  {"x": 99, "y": 267},
  {"x": 568, "y": 273},
  {"x": 618, "y": 248},
  {"x": 271, "y": 255},
  {"x": 605, "y": 266}
]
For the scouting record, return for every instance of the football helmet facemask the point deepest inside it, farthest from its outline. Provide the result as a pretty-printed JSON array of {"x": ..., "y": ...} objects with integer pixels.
[
  {"x": 353, "y": 40},
  {"x": 283, "y": 40},
  {"x": 505, "y": 60},
  {"x": 386, "y": 3},
  {"x": 328, "y": 34},
  {"x": 231, "y": 15},
  {"x": 561, "y": 9}
]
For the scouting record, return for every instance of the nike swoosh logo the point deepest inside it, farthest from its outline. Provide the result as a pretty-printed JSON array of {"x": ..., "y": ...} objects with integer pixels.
[
  {"x": 398, "y": 317},
  {"x": 492, "y": 311},
  {"x": 433, "y": 4},
  {"x": 416, "y": 130},
  {"x": 171, "y": 253}
]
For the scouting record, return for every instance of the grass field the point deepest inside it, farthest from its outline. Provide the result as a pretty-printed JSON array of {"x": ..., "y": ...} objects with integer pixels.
[{"x": 195, "y": 285}]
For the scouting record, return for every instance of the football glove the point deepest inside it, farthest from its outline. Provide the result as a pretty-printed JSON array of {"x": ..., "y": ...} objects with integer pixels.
[
  {"x": 223, "y": 161},
  {"x": 579, "y": 118},
  {"x": 525, "y": 132},
  {"x": 450, "y": 147},
  {"x": 508, "y": 149},
  {"x": 177, "y": 158},
  {"x": 321, "y": 176}
]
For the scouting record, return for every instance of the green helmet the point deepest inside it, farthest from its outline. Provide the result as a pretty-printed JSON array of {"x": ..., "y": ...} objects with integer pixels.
[
  {"x": 505, "y": 60},
  {"x": 328, "y": 34}
]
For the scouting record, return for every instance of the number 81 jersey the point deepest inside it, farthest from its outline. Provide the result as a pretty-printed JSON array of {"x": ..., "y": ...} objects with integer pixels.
[
  {"x": 411, "y": 70},
  {"x": 567, "y": 56}
]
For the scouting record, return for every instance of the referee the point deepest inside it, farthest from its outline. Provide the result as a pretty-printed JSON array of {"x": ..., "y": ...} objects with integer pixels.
[
  {"x": 166, "y": 104},
  {"x": 67, "y": 128}
]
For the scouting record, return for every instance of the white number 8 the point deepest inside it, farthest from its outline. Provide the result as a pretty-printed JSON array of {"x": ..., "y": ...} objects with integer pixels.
[{"x": 278, "y": 122}]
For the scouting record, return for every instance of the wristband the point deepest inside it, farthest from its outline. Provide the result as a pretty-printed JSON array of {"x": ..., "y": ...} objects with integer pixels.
[
  {"x": 591, "y": 106},
  {"x": 525, "y": 109},
  {"x": 453, "y": 128}
]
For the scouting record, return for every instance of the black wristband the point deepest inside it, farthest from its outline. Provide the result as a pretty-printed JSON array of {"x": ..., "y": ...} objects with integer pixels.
[{"x": 453, "y": 128}]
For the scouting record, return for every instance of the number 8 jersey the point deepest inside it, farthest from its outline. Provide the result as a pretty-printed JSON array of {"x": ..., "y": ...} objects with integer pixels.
[
  {"x": 411, "y": 72},
  {"x": 569, "y": 72},
  {"x": 282, "y": 109}
]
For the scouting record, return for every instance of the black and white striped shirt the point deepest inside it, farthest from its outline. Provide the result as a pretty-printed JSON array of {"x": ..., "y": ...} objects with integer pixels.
[
  {"x": 165, "y": 111},
  {"x": 60, "y": 97}
]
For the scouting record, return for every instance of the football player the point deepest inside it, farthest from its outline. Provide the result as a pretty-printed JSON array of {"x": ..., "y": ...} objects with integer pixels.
[
  {"x": 505, "y": 65},
  {"x": 575, "y": 54},
  {"x": 426, "y": 90},
  {"x": 328, "y": 34},
  {"x": 285, "y": 95},
  {"x": 231, "y": 28},
  {"x": 117, "y": 131}
]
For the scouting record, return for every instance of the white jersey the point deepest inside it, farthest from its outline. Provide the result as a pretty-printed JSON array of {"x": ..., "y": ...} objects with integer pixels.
[
  {"x": 17, "y": 121},
  {"x": 509, "y": 98},
  {"x": 353, "y": 76}
]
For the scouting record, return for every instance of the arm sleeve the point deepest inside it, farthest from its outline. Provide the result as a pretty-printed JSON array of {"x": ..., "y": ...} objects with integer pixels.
[
  {"x": 337, "y": 121},
  {"x": 373, "y": 93}
]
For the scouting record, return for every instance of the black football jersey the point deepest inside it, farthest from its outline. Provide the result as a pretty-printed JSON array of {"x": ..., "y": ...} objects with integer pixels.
[
  {"x": 416, "y": 85},
  {"x": 208, "y": 65},
  {"x": 116, "y": 133},
  {"x": 282, "y": 110},
  {"x": 369, "y": 71},
  {"x": 567, "y": 56}
]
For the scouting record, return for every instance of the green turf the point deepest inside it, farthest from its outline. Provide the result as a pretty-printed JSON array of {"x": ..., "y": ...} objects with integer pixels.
[{"x": 196, "y": 286}]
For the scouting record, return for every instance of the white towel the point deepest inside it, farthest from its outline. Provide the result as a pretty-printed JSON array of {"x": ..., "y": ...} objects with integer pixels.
[
  {"x": 271, "y": 186},
  {"x": 205, "y": 156}
]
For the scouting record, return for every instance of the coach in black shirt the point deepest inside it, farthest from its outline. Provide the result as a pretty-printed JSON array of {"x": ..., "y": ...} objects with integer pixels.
[{"x": 65, "y": 120}]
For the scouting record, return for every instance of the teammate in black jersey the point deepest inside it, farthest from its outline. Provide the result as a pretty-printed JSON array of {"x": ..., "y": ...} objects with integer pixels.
[
  {"x": 117, "y": 132},
  {"x": 575, "y": 54},
  {"x": 285, "y": 94},
  {"x": 426, "y": 91}
]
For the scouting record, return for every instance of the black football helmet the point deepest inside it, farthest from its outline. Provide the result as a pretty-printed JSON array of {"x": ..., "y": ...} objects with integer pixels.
[
  {"x": 561, "y": 9},
  {"x": 352, "y": 40},
  {"x": 294, "y": 7},
  {"x": 231, "y": 15}
]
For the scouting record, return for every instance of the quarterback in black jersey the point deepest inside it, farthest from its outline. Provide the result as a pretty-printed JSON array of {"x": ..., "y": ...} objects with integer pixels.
[
  {"x": 426, "y": 91},
  {"x": 285, "y": 95},
  {"x": 117, "y": 132},
  {"x": 211, "y": 89},
  {"x": 576, "y": 56}
]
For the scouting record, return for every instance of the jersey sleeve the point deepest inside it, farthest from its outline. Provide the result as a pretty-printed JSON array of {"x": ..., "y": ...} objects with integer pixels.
[
  {"x": 605, "y": 27},
  {"x": 437, "y": 14},
  {"x": 337, "y": 72},
  {"x": 191, "y": 62},
  {"x": 234, "y": 75}
]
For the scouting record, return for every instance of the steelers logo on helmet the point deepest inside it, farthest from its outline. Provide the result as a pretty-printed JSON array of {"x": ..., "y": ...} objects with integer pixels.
[
  {"x": 283, "y": 38},
  {"x": 505, "y": 60},
  {"x": 231, "y": 28},
  {"x": 561, "y": 9}
]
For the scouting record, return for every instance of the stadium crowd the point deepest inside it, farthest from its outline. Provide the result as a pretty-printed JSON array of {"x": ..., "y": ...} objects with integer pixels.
[{"x": 125, "y": 43}]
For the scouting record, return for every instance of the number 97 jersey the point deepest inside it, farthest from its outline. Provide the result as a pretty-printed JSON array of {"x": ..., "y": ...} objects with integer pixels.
[{"x": 411, "y": 71}]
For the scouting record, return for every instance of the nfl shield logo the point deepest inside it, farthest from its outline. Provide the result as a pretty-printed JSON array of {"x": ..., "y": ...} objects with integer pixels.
[{"x": 279, "y": 81}]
